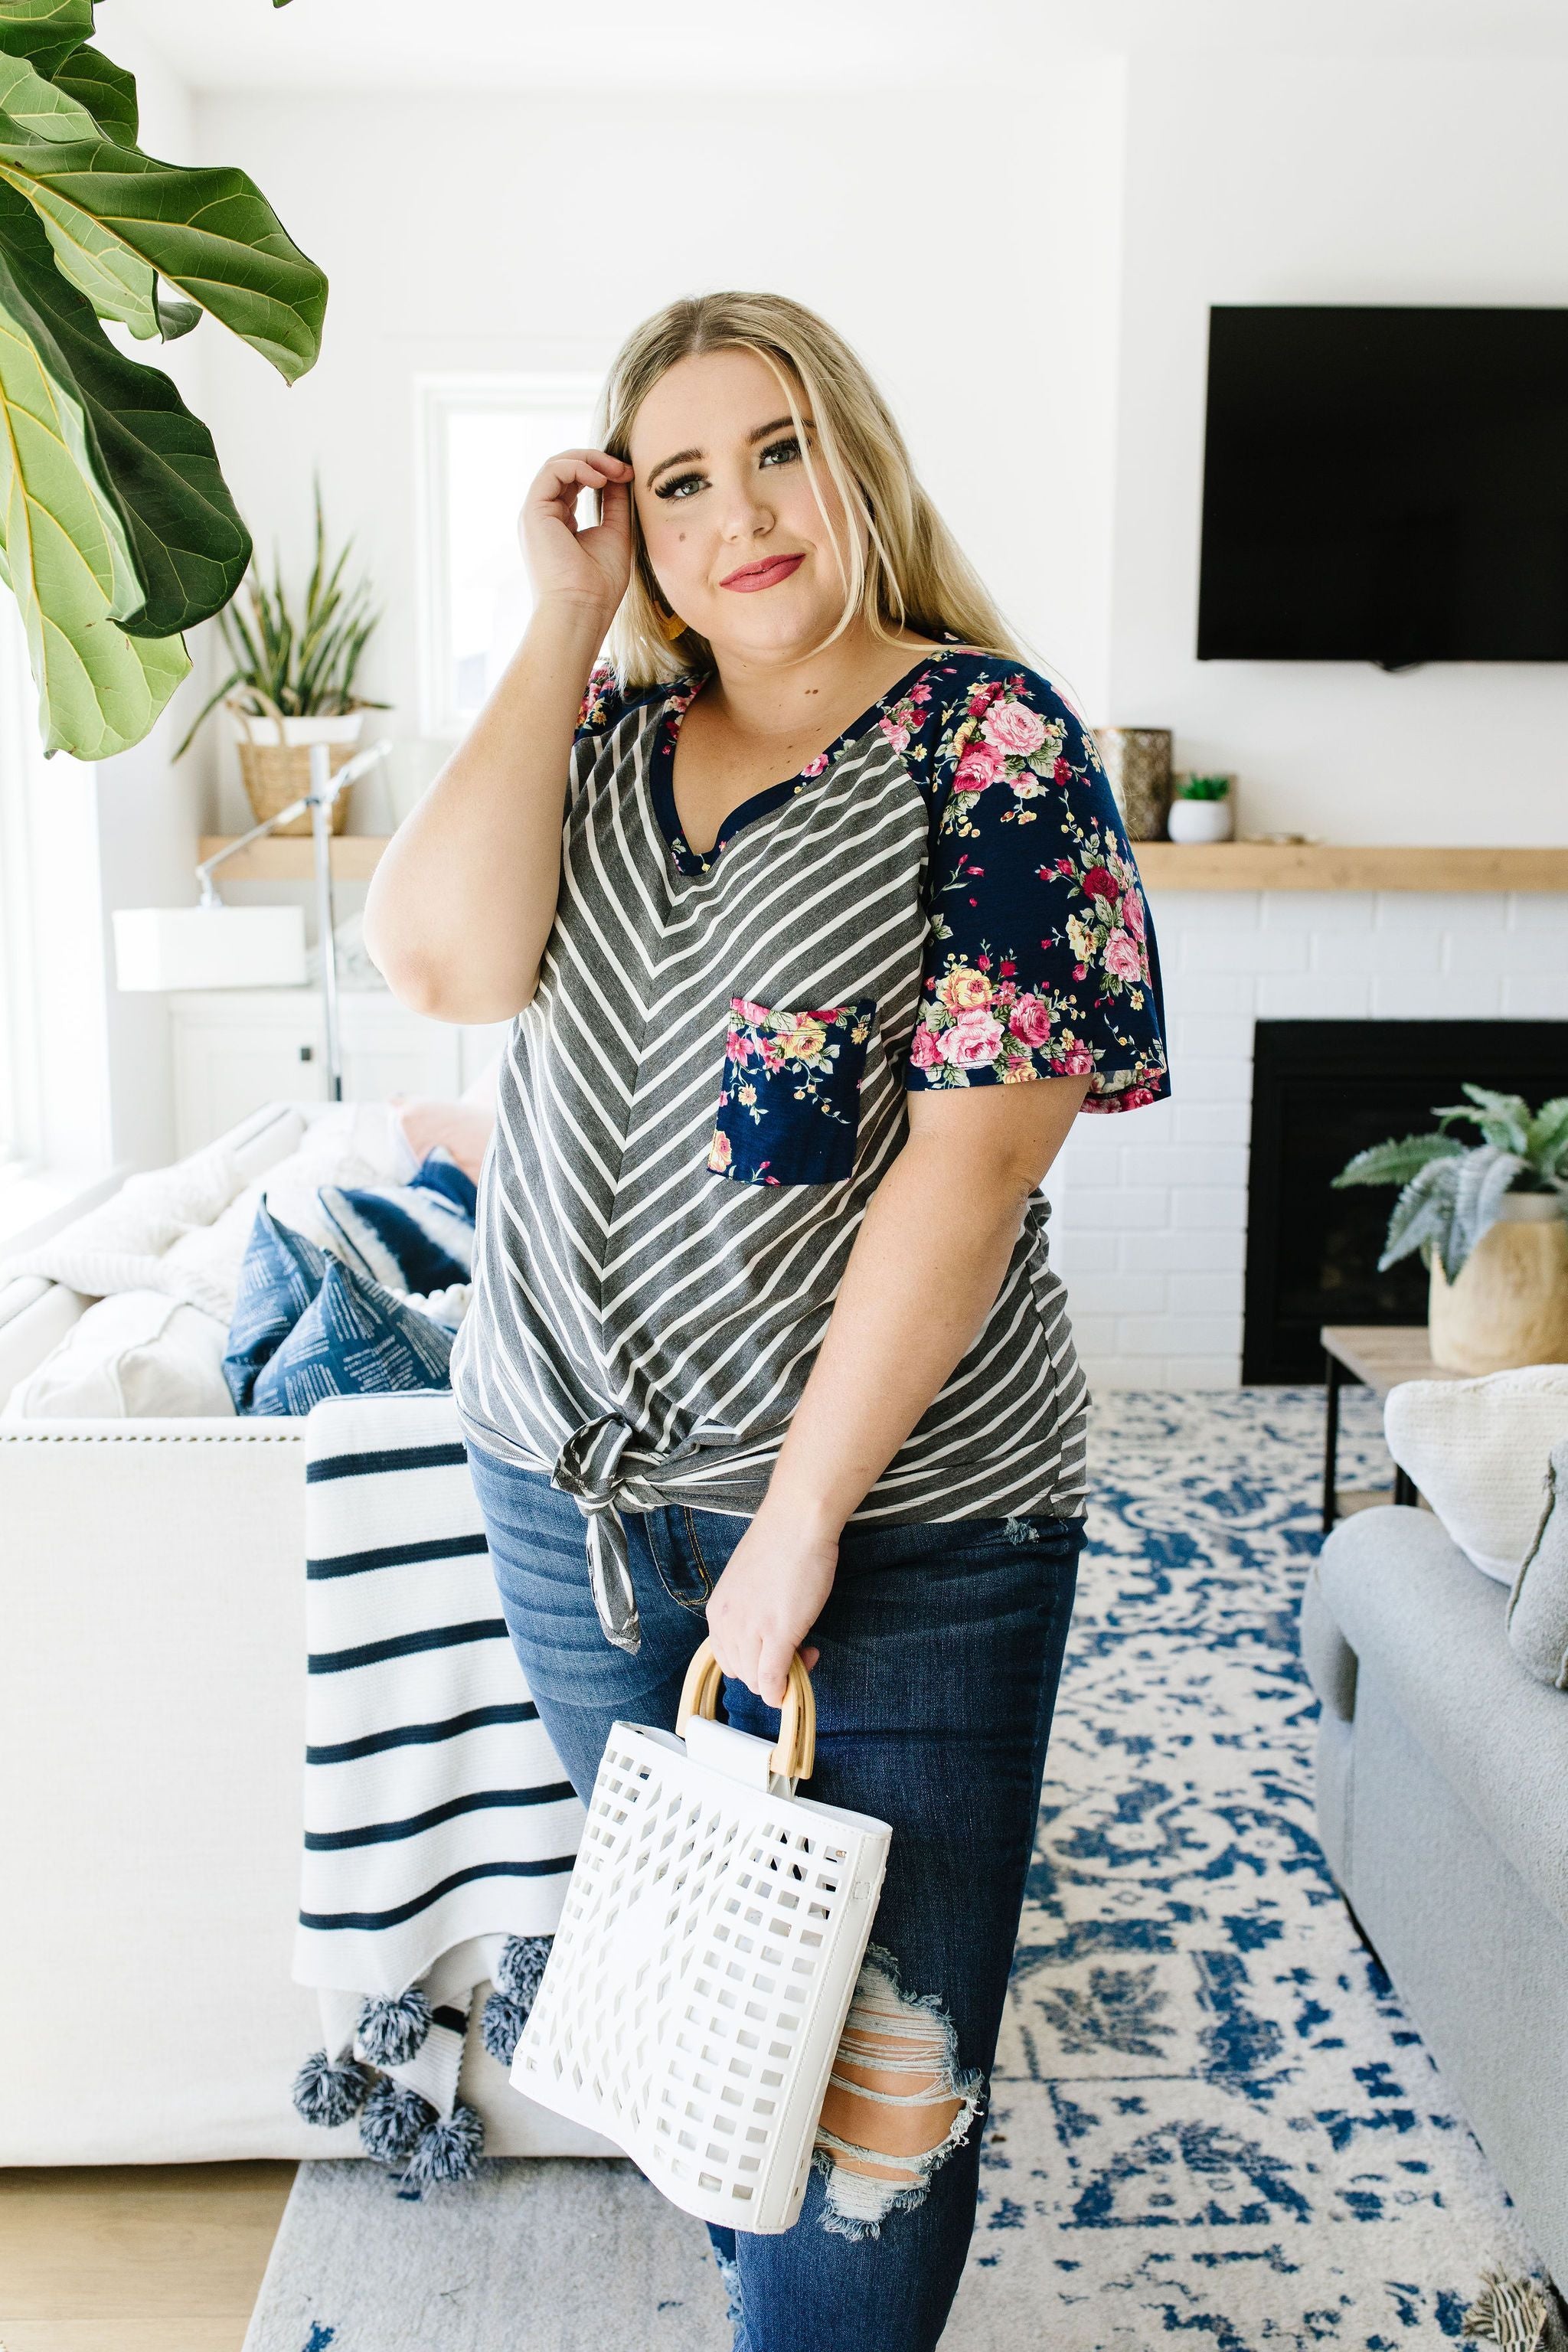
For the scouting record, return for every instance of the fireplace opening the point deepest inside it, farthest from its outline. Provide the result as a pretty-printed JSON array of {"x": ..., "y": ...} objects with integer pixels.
[{"x": 1322, "y": 1090}]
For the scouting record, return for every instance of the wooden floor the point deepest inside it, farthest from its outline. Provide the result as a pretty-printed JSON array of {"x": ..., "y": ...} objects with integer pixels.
[{"x": 143, "y": 2258}]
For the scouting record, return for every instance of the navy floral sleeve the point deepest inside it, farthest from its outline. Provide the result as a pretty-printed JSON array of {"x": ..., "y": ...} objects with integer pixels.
[
  {"x": 1042, "y": 960},
  {"x": 603, "y": 701}
]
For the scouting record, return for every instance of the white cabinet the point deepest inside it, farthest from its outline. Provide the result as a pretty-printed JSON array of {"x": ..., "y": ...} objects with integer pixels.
[{"x": 237, "y": 1048}]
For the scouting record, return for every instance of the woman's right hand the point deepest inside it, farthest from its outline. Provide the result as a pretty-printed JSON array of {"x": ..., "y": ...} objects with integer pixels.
[{"x": 588, "y": 567}]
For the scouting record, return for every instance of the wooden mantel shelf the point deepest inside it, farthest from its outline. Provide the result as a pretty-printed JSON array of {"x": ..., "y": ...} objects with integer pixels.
[
  {"x": 1345, "y": 866},
  {"x": 355, "y": 856},
  {"x": 1164, "y": 865}
]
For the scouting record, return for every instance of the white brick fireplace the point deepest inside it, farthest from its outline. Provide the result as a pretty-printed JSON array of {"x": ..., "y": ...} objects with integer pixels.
[{"x": 1150, "y": 1208}]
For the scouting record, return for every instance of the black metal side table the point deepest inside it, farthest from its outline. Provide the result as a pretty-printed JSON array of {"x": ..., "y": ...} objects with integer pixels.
[{"x": 1381, "y": 1355}]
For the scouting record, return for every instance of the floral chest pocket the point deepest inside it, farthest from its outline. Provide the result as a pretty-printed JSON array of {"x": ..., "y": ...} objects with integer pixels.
[{"x": 790, "y": 1104}]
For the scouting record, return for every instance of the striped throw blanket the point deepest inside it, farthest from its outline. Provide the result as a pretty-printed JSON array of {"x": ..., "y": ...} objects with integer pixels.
[{"x": 440, "y": 1830}]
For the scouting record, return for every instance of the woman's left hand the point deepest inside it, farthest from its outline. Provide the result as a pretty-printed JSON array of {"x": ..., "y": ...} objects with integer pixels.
[{"x": 771, "y": 1594}]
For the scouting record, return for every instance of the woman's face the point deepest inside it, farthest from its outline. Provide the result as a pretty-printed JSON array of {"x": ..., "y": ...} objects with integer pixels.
[{"x": 738, "y": 544}]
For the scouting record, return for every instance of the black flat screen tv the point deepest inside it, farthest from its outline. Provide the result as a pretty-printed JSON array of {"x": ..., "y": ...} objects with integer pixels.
[{"x": 1387, "y": 485}]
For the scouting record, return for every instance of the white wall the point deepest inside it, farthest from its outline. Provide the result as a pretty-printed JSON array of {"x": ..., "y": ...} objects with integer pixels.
[
  {"x": 977, "y": 278},
  {"x": 1385, "y": 180},
  {"x": 1037, "y": 307}
]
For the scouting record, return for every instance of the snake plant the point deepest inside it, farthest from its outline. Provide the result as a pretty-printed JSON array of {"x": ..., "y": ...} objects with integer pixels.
[
  {"x": 117, "y": 531},
  {"x": 1451, "y": 1192},
  {"x": 288, "y": 664}
]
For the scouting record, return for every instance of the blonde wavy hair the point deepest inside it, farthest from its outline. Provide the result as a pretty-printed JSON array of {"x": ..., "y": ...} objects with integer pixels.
[{"x": 902, "y": 569}]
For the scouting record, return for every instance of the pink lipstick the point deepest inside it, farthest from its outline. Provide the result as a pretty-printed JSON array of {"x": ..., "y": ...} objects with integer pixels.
[{"x": 766, "y": 574}]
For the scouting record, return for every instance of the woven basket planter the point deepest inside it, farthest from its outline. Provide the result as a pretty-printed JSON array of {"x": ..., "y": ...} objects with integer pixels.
[{"x": 275, "y": 773}]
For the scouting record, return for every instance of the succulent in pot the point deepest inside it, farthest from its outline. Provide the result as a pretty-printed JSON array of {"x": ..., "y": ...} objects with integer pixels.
[
  {"x": 1203, "y": 809},
  {"x": 291, "y": 679},
  {"x": 1488, "y": 1219}
]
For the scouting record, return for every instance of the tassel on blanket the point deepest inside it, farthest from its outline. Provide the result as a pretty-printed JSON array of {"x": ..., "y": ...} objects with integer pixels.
[
  {"x": 519, "y": 1973},
  {"x": 501, "y": 2027},
  {"x": 520, "y": 1970},
  {"x": 393, "y": 2120},
  {"x": 326, "y": 2094},
  {"x": 1518, "y": 2314},
  {"x": 391, "y": 2033},
  {"x": 448, "y": 2151}
]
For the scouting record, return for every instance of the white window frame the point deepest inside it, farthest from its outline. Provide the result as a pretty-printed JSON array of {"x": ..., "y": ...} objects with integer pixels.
[{"x": 437, "y": 399}]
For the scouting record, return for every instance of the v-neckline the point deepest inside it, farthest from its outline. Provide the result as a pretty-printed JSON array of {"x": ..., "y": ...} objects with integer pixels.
[{"x": 662, "y": 776}]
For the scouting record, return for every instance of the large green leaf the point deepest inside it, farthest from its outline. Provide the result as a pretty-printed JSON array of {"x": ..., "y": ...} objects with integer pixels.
[
  {"x": 106, "y": 89},
  {"x": 69, "y": 565},
  {"x": 153, "y": 460},
  {"x": 209, "y": 230},
  {"x": 116, "y": 528},
  {"x": 102, "y": 96},
  {"x": 116, "y": 283},
  {"x": 41, "y": 107},
  {"x": 44, "y": 31}
]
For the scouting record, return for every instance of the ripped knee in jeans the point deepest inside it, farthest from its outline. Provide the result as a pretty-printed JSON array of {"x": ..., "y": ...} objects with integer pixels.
[{"x": 896, "y": 2106}]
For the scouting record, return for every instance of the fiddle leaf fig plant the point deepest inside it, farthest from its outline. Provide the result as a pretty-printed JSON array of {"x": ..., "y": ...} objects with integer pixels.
[
  {"x": 1452, "y": 1192},
  {"x": 117, "y": 529}
]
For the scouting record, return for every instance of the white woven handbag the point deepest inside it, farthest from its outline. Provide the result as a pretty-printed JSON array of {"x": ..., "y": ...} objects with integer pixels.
[{"x": 712, "y": 1933}]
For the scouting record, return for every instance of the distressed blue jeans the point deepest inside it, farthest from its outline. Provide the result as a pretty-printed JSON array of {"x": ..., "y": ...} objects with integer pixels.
[{"x": 942, "y": 1645}]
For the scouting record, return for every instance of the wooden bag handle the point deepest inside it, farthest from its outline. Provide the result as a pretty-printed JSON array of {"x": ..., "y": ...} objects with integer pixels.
[{"x": 796, "y": 1751}]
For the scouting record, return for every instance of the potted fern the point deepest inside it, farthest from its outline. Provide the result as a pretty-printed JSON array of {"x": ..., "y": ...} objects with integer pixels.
[
  {"x": 291, "y": 680},
  {"x": 1489, "y": 1220}
]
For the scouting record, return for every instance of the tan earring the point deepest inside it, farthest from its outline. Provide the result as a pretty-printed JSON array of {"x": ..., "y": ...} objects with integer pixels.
[{"x": 673, "y": 626}]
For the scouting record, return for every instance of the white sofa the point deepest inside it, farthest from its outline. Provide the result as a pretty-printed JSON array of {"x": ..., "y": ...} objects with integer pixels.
[{"x": 152, "y": 1738}]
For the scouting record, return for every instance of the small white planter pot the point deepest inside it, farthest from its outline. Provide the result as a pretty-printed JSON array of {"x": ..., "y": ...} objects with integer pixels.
[
  {"x": 1195, "y": 821},
  {"x": 300, "y": 732}
]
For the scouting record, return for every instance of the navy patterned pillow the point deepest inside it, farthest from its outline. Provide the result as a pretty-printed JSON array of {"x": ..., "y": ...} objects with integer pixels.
[
  {"x": 414, "y": 1236},
  {"x": 439, "y": 1172},
  {"x": 279, "y": 1278},
  {"x": 353, "y": 1340}
]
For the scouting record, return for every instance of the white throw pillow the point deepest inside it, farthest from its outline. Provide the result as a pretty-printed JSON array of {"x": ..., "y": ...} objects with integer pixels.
[
  {"x": 352, "y": 1143},
  {"x": 1477, "y": 1450},
  {"x": 140, "y": 1356},
  {"x": 135, "y": 1240}
]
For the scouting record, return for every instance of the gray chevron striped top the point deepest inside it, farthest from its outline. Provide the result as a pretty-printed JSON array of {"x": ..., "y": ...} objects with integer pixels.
[{"x": 709, "y": 1081}]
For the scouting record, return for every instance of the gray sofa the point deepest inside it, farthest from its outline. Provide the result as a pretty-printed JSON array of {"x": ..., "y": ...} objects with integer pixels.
[{"x": 1443, "y": 1809}]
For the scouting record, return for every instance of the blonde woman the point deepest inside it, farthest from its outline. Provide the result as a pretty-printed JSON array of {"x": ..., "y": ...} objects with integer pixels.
[{"x": 817, "y": 927}]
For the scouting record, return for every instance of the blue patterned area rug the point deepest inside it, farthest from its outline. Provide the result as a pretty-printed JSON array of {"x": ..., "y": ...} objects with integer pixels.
[{"x": 1211, "y": 2118}]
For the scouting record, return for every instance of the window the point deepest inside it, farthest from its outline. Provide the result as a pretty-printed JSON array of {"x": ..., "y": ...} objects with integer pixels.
[
  {"x": 20, "y": 759},
  {"x": 482, "y": 441}
]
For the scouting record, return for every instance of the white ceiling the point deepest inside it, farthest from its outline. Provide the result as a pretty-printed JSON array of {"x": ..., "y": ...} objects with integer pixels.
[{"x": 408, "y": 45}]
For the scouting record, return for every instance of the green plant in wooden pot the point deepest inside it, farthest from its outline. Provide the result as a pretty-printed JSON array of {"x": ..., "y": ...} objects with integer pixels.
[
  {"x": 291, "y": 679},
  {"x": 1488, "y": 1219}
]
